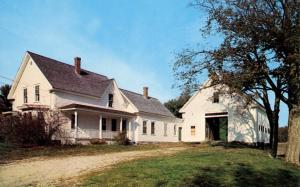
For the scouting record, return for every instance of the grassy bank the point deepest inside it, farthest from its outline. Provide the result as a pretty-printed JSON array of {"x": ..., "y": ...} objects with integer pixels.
[{"x": 211, "y": 166}]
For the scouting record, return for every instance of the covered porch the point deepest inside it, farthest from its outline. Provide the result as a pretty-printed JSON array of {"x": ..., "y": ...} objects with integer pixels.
[{"x": 92, "y": 122}]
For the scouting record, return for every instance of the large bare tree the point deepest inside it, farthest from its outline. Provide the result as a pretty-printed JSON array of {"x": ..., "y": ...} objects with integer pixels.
[{"x": 259, "y": 56}]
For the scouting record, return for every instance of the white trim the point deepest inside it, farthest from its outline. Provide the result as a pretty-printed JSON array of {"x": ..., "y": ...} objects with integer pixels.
[
  {"x": 20, "y": 72},
  {"x": 194, "y": 95}
]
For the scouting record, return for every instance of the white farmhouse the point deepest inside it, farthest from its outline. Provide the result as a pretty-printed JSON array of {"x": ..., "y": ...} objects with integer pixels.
[
  {"x": 96, "y": 108},
  {"x": 93, "y": 104},
  {"x": 210, "y": 115}
]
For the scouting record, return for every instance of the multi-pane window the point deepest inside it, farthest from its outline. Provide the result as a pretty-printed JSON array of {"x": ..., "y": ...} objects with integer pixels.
[
  {"x": 37, "y": 93},
  {"x": 215, "y": 97},
  {"x": 104, "y": 124},
  {"x": 144, "y": 127},
  {"x": 152, "y": 127},
  {"x": 193, "y": 130},
  {"x": 72, "y": 121},
  {"x": 174, "y": 130},
  {"x": 113, "y": 125},
  {"x": 110, "y": 100},
  {"x": 25, "y": 95},
  {"x": 165, "y": 129}
]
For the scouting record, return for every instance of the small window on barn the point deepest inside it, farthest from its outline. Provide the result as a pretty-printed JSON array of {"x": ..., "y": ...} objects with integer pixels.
[
  {"x": 152, "y": 127},
  {"x": 37, "y": 93},
  {"x": 216, "y": 96},
  {"x": 144, "y": 127},
  {"x": 165, "y": 129},
  {"x": 110, "y": 100},
  {"x": 113, "y": 125},
  {"x": 25, "y": 95},
  {"x": 193, "y": 130},
  {"x": 104, "y": 124},
  {"x": 72, "y": 121}
]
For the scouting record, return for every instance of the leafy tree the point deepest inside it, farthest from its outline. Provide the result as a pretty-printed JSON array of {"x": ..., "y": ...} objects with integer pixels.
[
  {"x": 259, "y": 56},
  {"x": 174, "y": 105},
  {"x": 5, "y": 104}
]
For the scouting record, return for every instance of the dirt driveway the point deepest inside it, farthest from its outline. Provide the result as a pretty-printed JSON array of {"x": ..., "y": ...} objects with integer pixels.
[{"x": 50, "y": 172}]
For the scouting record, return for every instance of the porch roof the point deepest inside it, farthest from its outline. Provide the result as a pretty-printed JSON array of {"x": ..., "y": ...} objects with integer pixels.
[{"x": 75, "y": 106}]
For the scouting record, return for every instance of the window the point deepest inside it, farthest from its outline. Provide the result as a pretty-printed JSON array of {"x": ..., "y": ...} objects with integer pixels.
[
  {"x": 144, "y": 127},
  {"x": 165, "y": 129},
  {"x": 152, "y": 127},
  {"x": 110, "y": 100},
  {"x": 37, "y": 93},
  {"x": 269, "y": 130},
  {"x": 174, "y": 130},
  {"x": 216, "y": 97},
  {"x": 72, "y": 121},
  {"x": 25, "y": 95},
  {"x": 113, "y": 125},
  {"x": 193, "y": 130},
  {"x": 104, "y": 124}
]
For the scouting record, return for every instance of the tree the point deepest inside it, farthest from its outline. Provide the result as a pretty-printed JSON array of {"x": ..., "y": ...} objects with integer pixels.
[
  {"x": 5, "y": 104},
  {"x": 259, "y": 56},
  {"x": 174, "y": 105}
]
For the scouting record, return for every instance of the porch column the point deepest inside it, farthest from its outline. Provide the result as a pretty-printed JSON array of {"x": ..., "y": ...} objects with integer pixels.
[
  {"x": 100, "y": 127},
  {"x": 129, "y": 129},
  {"x": 76, "y": 123},
  {"x": 121, "y": 125}
]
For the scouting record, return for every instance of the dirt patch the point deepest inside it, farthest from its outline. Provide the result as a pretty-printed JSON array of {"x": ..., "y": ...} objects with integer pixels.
[{"x": 41, "y": 172}]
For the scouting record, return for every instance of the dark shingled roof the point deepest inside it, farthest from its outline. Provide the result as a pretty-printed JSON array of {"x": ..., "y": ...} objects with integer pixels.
[
  {"x": 150, "y": 105},
  {"x": 63, "y": 77}
]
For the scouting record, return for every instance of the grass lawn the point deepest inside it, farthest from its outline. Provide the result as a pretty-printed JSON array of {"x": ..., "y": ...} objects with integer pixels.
[
  {"x": 11, "y": 153},
  {"x": 210, "y": 166}
]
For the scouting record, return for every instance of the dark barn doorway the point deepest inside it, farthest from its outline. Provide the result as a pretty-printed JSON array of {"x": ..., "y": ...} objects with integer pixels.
[{"x": 216, "y": 128}]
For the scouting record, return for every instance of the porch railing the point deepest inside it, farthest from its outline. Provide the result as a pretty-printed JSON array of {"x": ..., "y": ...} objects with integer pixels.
[
  {"x": 87, "y": 133},
  {"x": 109, "y": 134},
  {"x": 94, "y": 133}
]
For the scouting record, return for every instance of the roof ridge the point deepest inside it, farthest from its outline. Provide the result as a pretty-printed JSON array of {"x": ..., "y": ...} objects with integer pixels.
[
  {"x": 137, "y": 93},
  {"x": 64, "y": 63}
]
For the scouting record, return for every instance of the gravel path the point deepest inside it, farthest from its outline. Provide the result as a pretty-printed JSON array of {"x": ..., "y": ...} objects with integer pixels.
[{"x": 49, "y": 172}]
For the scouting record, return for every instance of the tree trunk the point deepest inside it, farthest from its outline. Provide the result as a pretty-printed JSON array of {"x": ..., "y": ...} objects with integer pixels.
[
  {"x": 275, "y": 124},
  {"x": 293, "y": 148},
  {"x": 275, "y": 139}
]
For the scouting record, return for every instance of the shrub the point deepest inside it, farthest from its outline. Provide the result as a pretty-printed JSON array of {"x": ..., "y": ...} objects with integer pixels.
[
  {"x": 26, "y": 129},
  {"x": 122, "y": 139}
]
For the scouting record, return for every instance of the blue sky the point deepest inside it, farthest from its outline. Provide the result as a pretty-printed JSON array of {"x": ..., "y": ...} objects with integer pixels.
[{"x": 133, "y": 41}]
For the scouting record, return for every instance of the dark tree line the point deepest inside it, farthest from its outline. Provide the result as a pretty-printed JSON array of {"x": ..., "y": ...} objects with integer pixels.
[{"x": 5, "y": 104}]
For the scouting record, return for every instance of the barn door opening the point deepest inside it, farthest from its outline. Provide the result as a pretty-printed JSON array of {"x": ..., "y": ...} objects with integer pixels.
[{"x": 216, "y": 128}]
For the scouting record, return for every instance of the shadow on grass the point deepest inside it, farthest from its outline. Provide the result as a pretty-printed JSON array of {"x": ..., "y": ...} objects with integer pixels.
[{"x": 243, "y": 175}]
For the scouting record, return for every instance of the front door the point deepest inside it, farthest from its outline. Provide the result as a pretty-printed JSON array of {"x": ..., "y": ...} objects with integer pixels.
[
  {"x": 216, "y": 128},
  {"x": 179, "y": 133}
]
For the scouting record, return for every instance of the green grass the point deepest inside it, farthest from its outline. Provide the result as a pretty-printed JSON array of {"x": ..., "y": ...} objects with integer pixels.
[
  {"x": 10, "y": 153},
  {"x": 211, "y": 166}
]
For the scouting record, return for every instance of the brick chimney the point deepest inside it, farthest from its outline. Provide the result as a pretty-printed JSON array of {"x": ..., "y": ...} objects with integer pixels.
[
  {"x": 77, "y": 65},
  {"x": 145, "y": 89}
]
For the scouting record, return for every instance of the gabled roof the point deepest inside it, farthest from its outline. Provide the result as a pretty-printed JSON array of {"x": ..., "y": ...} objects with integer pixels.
[
  {"x": 150, "y": 105},
  {"x": 62, "y": 76}
]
